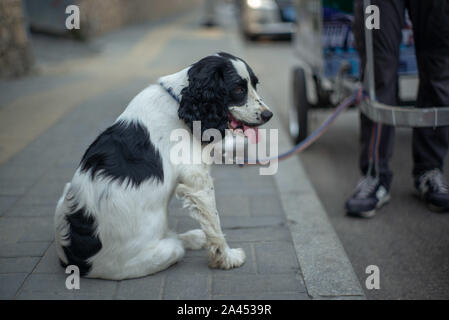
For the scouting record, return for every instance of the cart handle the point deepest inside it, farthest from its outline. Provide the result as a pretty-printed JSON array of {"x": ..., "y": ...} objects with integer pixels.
[{"x": 405, "y": 116}]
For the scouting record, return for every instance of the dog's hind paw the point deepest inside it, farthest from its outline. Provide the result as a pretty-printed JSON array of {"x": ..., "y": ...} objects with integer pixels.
[
  {"x": 230, "y": 258},
  {"x": 193, "y": 239}
]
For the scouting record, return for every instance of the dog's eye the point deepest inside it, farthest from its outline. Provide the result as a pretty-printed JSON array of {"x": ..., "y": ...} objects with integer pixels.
[{"x": 239, "y": 90}]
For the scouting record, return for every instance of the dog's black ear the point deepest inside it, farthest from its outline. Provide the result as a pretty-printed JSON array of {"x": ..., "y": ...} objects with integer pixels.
[{"x": 205, "y": 98}]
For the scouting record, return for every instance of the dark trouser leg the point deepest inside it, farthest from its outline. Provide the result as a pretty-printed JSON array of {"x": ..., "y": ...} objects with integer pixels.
[
  {"x": 376, "y": 139},
  {"x": 431, "y": 29}
]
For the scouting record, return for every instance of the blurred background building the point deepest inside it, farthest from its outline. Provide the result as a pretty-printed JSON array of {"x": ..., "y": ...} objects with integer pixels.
[{"x": 19, "y": 19}]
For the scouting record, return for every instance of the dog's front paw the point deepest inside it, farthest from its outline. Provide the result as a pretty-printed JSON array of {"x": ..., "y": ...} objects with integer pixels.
[{"x": 230, "y": 258}]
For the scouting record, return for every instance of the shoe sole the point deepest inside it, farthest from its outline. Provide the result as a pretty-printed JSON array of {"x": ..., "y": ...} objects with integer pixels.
[
  {"x": 430, "y": 206},
  {"x": 371, "y": 213},
  {"x": 436, "y": 209}
]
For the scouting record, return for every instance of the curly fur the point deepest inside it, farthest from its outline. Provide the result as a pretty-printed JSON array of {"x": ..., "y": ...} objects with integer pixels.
[{"x": 205, "y": 99}]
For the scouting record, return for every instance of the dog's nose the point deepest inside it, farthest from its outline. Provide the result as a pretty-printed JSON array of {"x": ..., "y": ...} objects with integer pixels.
[{"x": 266, "y": 115}]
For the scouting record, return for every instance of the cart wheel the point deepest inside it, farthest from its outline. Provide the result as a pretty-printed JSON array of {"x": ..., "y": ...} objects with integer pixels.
[{"x": 298, "y": 111}]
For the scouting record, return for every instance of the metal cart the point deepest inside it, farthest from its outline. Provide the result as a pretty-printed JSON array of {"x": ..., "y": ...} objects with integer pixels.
[{"x": 328, "y": 69}]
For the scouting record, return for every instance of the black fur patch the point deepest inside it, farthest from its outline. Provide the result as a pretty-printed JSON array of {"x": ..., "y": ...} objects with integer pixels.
[
  {"x": 210, "y": 92},
  {"x": 122, "y": 152},
  {"x": 252, "y": 75},
  {"x": 205, "y": 98},
  {"x": 83, "y": 241}
]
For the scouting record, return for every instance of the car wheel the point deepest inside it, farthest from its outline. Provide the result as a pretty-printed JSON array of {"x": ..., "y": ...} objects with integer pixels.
[{"x": 298, "y": 112}]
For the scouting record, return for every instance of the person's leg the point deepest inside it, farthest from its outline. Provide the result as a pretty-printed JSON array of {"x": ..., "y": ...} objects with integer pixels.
[
  {"x": 431, "y": 32},
  {"x": 377, "y": 139},
  {"x": 209, "y": 13}
]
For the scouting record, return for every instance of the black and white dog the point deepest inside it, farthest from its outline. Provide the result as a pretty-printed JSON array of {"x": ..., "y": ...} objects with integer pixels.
[{"x": 111, "y": 220}]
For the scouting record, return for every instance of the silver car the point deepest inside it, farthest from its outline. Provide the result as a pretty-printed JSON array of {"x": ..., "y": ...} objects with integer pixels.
[{"x": 267, "y": 18}]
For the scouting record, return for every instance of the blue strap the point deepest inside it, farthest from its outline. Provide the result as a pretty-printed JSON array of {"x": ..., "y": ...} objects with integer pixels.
[{"x": 170, "y": 92}]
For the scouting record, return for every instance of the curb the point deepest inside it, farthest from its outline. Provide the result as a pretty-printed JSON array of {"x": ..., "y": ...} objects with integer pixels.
[{"x": 327, "y": 271}]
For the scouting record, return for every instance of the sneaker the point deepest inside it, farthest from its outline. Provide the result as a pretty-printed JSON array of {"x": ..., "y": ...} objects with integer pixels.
[
  {"x": 434, "y": 190},
  {"x": 369, "y": 195}
]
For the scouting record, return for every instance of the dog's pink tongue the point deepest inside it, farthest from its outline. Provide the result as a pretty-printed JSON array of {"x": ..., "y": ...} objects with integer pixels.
[
  {"x": 234, "y": 124},
  {"x": 251, "y": 133}
]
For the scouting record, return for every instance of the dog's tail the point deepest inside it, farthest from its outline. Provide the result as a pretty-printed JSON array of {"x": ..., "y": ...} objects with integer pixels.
[{"x": 62, "y": 227}]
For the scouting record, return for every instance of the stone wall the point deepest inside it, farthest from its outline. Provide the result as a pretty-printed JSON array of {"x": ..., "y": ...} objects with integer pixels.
[{"x": 15, "y": 57}]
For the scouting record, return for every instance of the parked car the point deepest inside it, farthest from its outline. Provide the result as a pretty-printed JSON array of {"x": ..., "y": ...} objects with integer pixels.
[{"x": 267, "y": 18}]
